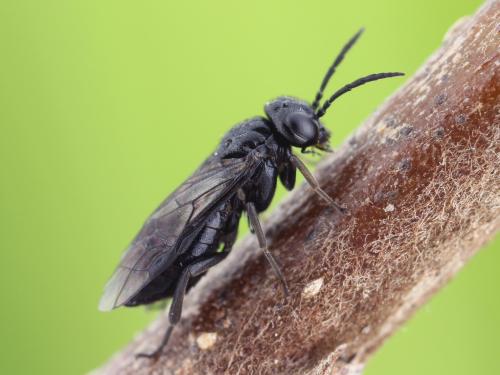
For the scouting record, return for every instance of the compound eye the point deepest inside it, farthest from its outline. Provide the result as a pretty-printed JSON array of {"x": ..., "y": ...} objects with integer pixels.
[{"x": 303, "y": 128}]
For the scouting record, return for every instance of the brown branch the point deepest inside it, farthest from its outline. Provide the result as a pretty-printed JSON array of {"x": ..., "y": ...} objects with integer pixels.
[{"x": 421, "y": 182}]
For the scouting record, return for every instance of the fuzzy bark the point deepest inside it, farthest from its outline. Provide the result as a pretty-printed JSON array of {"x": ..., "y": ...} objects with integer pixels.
[{"x": 420, "y": 180}]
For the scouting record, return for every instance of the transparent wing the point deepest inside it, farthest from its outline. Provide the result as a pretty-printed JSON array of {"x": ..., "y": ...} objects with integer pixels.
[{"x": 172, "y": 227}]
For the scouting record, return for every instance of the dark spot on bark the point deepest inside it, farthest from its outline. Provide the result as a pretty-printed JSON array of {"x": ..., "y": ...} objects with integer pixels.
[
  {"x": 445, "y": 78},
  {"x": 352, "y": 141},
  {"x": 278, "y": 307},
  {"x": 389, "y": 141},
  {"x": 439, "y": 132},
  {"x": 309, "y": 236},
  {"x": 391, "y": 121},
  {"x": 327, "y": 210},
  {"x": 390, "y": 195},
  {"x": 382, "y": 196},
  {"x": 405, "y": 165},
  {"x": 221, "y": 299},
  {"x": 406, "y": 130},
  {"x": 460, "y": 119},
  {"x": 440, "y": 99}
]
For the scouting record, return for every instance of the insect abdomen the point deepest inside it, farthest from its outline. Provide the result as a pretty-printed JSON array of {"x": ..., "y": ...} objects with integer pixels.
[
  {"x": 206, "y": 242},
  {"x": 211, "y": 233}
]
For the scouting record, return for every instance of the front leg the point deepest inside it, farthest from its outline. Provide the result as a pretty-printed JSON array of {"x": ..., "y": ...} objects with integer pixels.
[{"x": 313, "y": 182}]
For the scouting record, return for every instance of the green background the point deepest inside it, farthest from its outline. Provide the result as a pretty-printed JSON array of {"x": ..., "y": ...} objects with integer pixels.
[{"x": 106, "y": 106}]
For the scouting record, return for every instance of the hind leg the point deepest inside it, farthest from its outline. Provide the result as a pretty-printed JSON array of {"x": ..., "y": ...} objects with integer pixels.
[{"x": 174, "y": 314}]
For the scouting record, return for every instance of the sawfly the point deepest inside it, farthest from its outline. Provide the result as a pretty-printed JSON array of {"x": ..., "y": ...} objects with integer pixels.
[{"x": 196, "y": 226}]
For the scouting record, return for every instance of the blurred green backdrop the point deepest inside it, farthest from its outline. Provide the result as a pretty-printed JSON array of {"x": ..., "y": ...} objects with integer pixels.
[{"x": 106, "y": 106}]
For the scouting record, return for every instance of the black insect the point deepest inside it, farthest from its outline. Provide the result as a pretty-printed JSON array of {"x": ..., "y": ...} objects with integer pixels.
[{"x": 182, "y": 238}]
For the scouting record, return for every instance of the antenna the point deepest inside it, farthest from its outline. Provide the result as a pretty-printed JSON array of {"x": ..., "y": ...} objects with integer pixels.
[
  {"x": 352, "y": 85},
  {"x": 334, "y": 65}
]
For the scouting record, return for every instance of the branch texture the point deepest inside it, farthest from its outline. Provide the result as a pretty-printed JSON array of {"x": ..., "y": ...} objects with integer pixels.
[{"x": 421, "y": 183}]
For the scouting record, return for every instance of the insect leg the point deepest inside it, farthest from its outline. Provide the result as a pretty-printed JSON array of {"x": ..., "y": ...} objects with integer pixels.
[
  {"x": 157, "y": 351},
  {"x": 174, "y": 314},
  {"x": 314, "y": 183},
  {"x": 254, "y": 220},
  {"x": 228, "y": 241}
]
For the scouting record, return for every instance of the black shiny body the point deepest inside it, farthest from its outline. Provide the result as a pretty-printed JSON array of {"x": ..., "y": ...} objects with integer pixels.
[
  {"x": 251, "y": 138},
  {"x": 182, "y": 239}
]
